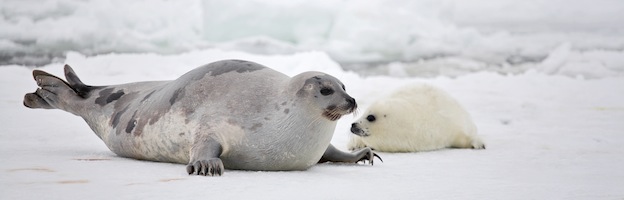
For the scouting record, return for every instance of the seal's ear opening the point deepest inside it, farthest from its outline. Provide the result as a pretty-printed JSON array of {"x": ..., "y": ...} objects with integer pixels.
[
  {"x": 308, "y": 87},
  {"x": 306, "y": 90}
]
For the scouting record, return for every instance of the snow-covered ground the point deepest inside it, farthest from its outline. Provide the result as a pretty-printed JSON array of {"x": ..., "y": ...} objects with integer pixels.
[
  {"x": 547, "y": 137},
  {"x": 543, "y": 80}
]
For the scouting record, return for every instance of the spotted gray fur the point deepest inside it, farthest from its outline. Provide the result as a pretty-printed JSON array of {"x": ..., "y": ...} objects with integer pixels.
[{"x": 209, "y": 119}]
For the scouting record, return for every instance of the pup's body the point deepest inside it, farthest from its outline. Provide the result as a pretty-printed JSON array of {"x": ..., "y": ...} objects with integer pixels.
[{"x": 415, "y": 118}]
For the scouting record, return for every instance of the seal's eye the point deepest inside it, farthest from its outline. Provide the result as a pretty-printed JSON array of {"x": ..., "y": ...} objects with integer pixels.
[
  {"x": 370, "y": 118},
  {"x": 327, "y": 91}
]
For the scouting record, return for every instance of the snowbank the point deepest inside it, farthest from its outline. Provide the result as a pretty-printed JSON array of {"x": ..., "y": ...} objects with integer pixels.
[{"x": 504, "y": 36}]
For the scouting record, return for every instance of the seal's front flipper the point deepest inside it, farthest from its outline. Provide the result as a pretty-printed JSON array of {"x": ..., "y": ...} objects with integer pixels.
[
  {"x": 332, "y": 154},
  {"x": 205, "y": 159},
  {"x": 210, "y": 167}
]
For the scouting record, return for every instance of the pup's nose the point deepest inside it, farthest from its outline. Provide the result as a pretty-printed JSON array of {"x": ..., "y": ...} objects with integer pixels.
[{"x": 355, "y": 129}]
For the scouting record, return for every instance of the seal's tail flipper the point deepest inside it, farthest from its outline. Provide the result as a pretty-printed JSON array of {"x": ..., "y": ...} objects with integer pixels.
[
  {"x": 76, "y": 84},
  {"x": 54, "y": 92}
]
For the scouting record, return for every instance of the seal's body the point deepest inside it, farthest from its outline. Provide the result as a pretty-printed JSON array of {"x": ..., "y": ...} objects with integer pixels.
[
  {"x": 417, "y": 117},
  {"x": 233, "y": 114}
]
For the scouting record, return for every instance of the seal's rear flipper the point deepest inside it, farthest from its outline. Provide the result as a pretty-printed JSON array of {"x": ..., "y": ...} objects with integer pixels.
[
  {"x": 54, "y": 92},
  {"x": 33, "y": 100},
  {"x": 45, "y": 96},
  {"x": 76, "y": 84}
]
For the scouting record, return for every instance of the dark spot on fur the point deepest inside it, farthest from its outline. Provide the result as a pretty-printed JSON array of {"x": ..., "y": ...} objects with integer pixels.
[
  {"x": 106, "y": 96},
  {"x": 147, "y": 96},
  {"x": 240, "y": 66},
  {"x": 277, "y": 107},
  {"x": 267, "y": 118},
  {"x": 101, "y": 100},
  {"x": 177, "y": 94},
  {"x": 181, "y": 134},
  {"x": 141, "y": 122},
  {"x": 131, "y": 123},
  {"x": 117, "y": 115},
  {"x": 115, "y": 96},
  {"x": 284, "y": 103},
  {"x": 153, "y": 119},
  {"x": 286, "y": 111},
  {"x": 255, "y": 126},
  {"x": 222, "y": 67},
  {"x": 126, "y": 100}
]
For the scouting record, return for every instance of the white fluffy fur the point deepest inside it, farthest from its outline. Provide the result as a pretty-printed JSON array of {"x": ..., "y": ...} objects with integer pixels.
[{"x": 417, "y": 117}]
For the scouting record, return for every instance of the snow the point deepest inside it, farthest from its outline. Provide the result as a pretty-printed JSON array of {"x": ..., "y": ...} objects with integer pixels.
[
  {"x": 547, "y": 137},
  {"x": 542, "y": 81}
]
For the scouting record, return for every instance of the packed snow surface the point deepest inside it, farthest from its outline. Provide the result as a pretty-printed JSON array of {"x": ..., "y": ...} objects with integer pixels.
[{"x": 547, "y": 137}]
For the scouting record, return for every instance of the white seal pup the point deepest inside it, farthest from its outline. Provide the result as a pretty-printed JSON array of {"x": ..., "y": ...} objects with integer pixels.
[
  {"x": 230, "y": 114},
  {"x": 414, "y": 118}
]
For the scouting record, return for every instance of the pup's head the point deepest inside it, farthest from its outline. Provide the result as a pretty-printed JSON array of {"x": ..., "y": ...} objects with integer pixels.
[{"x": 376, "y": 117}]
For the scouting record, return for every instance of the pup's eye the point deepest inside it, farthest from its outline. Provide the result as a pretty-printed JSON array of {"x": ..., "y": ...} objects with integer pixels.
[
  {"x": 327, "y": 91},
  {"x": 370, "y": 118}
]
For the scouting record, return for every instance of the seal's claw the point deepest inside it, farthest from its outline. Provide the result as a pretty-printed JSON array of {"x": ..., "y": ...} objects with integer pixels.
[
  {"x": 367, "y": 154},
  {"x": 189, "y": 169},
  {"x": 374, "y": 154},
  {"x": 211, "y": 167}
]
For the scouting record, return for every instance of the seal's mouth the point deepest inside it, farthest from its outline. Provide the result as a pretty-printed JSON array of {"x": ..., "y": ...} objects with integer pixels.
[{"x": 334, "y": 112}]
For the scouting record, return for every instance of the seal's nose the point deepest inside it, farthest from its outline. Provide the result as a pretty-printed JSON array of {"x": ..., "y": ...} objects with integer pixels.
[{"x": 351, "y": 102}]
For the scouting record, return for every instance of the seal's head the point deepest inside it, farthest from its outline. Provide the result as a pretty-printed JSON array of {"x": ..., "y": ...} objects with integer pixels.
[{"x": 324, "y": 93}]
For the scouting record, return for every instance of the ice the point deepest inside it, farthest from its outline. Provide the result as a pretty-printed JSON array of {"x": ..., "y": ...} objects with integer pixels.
[
  {"x": 503, "y": 36},
  {"x": 547, "y": 137},
  {"x": 542, "y": 79}
]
